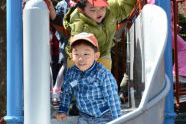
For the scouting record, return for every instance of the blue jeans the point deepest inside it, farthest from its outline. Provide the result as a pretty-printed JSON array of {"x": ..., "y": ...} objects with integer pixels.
[{"x": 87, "y": 119}]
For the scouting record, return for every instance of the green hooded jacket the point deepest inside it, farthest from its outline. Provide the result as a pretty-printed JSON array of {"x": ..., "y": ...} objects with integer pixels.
[{"x": 76, "y": 22}]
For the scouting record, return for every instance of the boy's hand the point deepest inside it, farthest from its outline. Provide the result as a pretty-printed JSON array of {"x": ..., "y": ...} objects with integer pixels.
[
  {"x": 61, "y": 116},
  {"x": 51, "y": 9}
]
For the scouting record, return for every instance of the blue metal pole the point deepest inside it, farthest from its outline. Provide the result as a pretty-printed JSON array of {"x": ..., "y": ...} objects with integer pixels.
[
  {"x": 14, "y": 63},
  {"x": 169, "y": 104}
]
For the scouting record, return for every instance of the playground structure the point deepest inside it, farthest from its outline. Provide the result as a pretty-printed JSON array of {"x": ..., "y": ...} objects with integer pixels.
[
  {"x": 178, "y": 89},
  {"x": 14, "y": 105}
]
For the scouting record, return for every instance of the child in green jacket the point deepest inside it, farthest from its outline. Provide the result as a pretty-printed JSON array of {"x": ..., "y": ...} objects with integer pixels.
[{"x": 98, "y": 17}]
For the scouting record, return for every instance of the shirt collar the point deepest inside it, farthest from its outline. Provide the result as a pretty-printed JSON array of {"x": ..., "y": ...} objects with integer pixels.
[{"x": 89, "y": 69}]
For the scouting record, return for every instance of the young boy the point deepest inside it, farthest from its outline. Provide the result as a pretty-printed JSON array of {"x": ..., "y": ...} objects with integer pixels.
[
  {"x": 93, "y": 85},
  {"x": 98, "y": 17}
]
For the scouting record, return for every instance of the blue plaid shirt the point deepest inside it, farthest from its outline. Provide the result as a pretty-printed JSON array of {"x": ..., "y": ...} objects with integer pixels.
[{"x": 95, "y": 91}]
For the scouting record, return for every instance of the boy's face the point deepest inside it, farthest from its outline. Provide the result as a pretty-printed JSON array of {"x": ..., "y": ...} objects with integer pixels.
[
  {"x": 95, "y": 13},
  {"x": 83, "y": 56}
]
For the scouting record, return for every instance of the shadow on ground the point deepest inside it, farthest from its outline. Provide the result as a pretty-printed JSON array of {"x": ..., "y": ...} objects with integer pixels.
[{"x": 181, "y": 113}]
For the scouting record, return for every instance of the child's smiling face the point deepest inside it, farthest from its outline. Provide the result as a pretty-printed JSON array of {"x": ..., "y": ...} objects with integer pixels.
[
  {"x": 95, "y": 13},
  {"x": 84, "y": 56}
]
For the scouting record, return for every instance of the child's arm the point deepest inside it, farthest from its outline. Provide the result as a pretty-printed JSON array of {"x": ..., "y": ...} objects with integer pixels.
[
  {"x": 67, "y": 93},
  {"x": 51, "y": 9},
  {"x": 121, "y": 8},
  {"x": 110, "y": 91}
]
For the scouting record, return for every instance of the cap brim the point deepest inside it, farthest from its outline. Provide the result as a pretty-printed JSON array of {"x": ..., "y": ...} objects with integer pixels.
[
  {"x": 98, "y": 3},
  {"x": 87, "y": 39},
  {"x": 85, "y": 36}
]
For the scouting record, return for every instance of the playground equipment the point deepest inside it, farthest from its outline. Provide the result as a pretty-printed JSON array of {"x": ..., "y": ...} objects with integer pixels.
[
  {"x": 149, "y": 103},
  {"x": 36, "y": 63},
  {"x": 145, "y": 39},
  {"x": 178, "y": 91}
]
